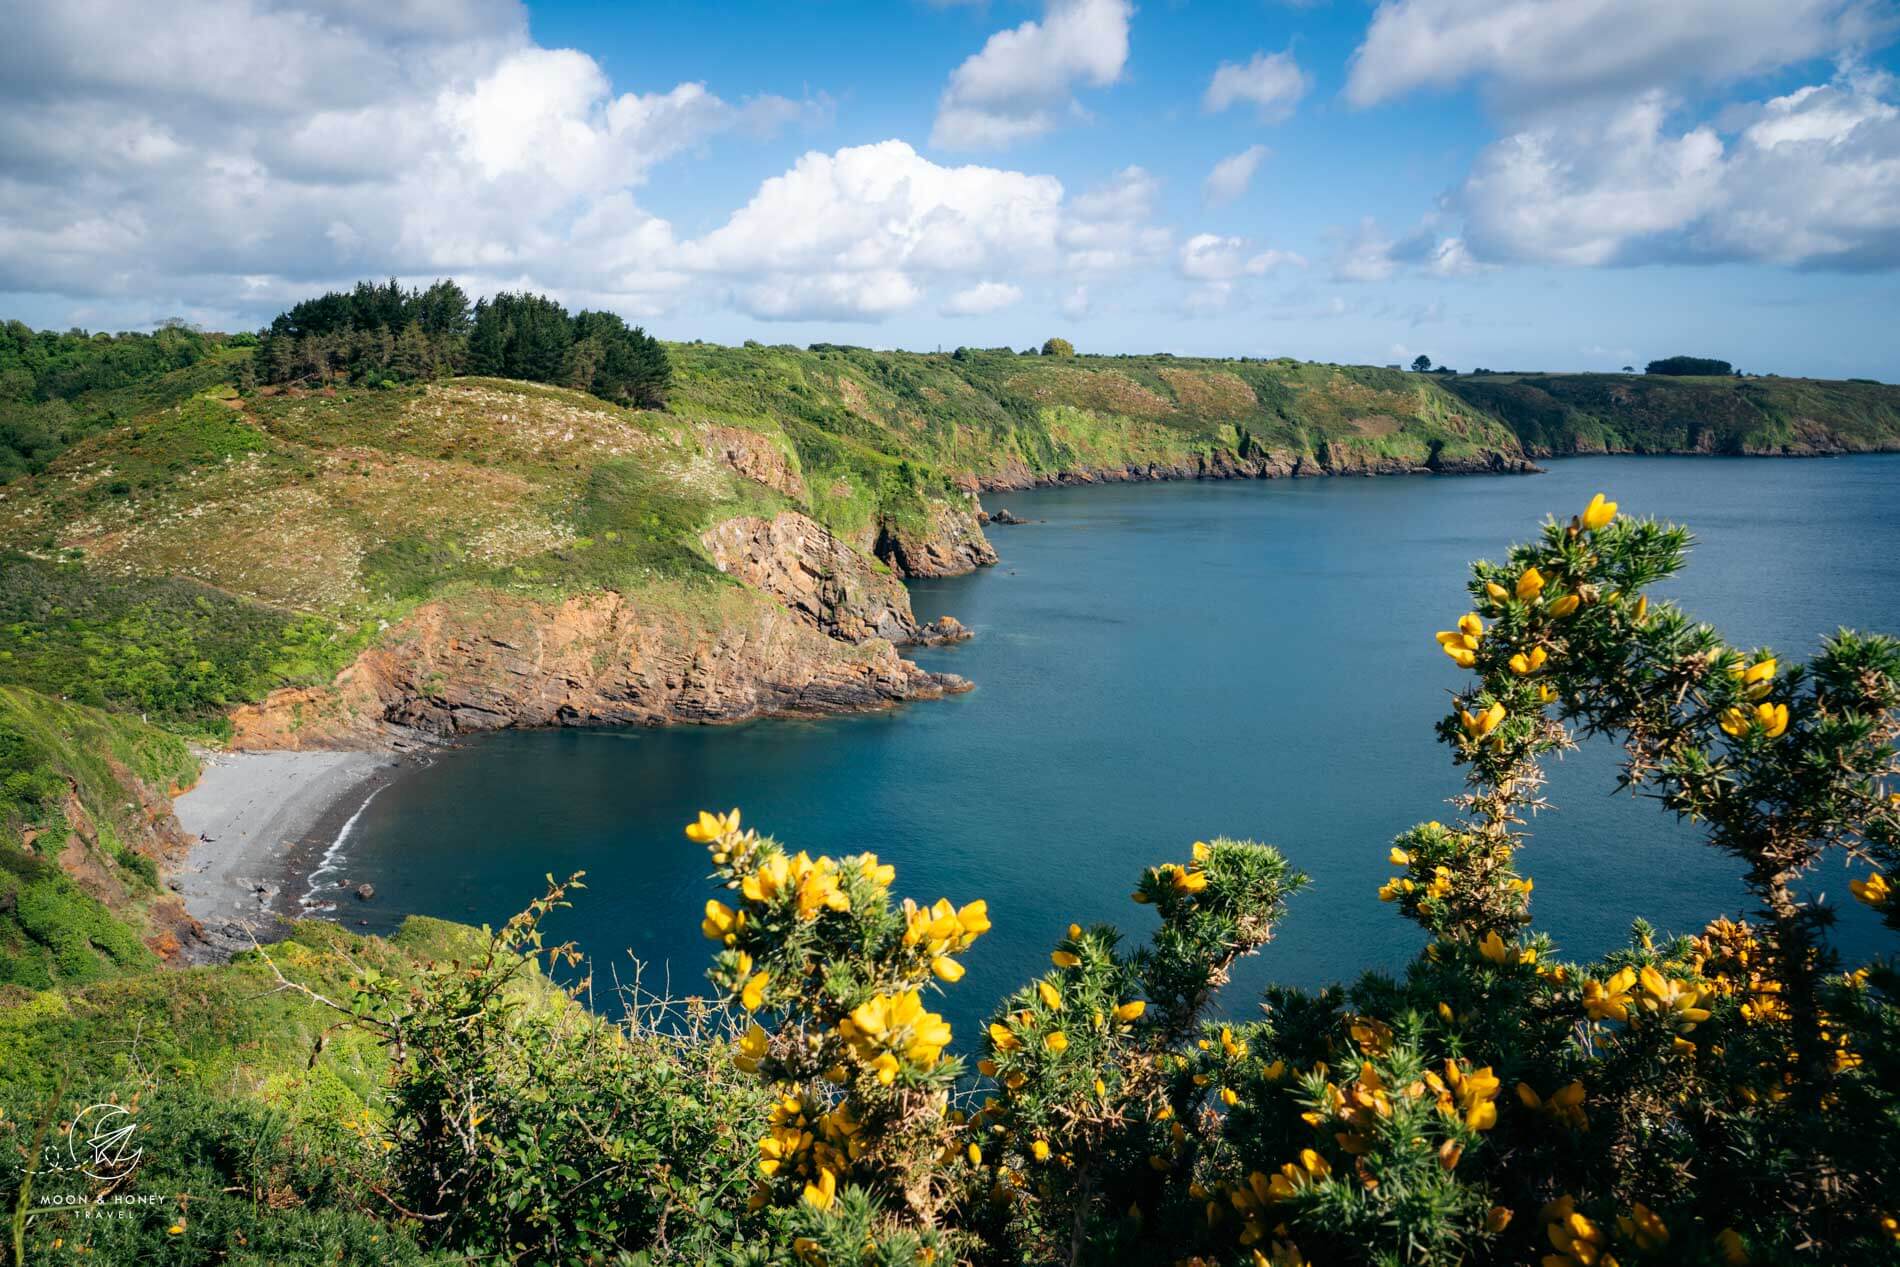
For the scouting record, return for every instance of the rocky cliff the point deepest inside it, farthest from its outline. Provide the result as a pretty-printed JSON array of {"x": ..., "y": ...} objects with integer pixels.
[{"x": 483, "y": 662}]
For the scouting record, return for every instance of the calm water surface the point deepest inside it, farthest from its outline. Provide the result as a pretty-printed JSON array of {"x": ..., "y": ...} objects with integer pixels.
[{"x": 1154, "y": 664}]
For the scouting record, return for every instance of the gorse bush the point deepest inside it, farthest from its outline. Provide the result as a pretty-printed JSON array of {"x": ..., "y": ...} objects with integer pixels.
[{"x": 1730, "y": 1096}]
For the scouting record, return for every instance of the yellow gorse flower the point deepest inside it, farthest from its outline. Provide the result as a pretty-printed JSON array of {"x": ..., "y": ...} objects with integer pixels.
[
  {"x": 1467, "y": 1094},
  {"x": 891, "y": 1026},
  {"x": 1478, "y": 725},
  {"x": 1757, "y": 678},
  {"x": 711, "y": 827},
  {"x": 1530, "y": 585},
  {"x": 1525, "y": 663},
  {"x": 1564, "y": 1104},
  {"x": 1874, "y": 890},
  {"x": 1565, "y": 606},
  {"x": 1770, "y": 719},
  {"x": 1461, "y": 644},
  {"x": 1609, "y": 1000},
  {"x": 1598, "y": 513}
]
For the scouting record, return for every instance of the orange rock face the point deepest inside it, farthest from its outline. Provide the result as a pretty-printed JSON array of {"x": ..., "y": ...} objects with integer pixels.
[{"x": 489, "y": 661}]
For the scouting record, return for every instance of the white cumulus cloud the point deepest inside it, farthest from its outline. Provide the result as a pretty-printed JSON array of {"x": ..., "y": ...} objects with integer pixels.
[
  {"x": 1232, "y": 175},
  {"x": 1811, "y": 179},
  {"x": 1272, "y": 83},
  {"x": 1021, "y": 83},
  {"x": 982, "y": 299},
  {"x": 1535, "y": 54}
]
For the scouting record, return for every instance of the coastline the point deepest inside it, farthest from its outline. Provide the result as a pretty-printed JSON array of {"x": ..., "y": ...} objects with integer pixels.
[{"x": 264, "y": 824}]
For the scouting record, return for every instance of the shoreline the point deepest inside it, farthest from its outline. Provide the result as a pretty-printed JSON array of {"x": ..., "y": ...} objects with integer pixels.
[{"x": 266, "y": 826}]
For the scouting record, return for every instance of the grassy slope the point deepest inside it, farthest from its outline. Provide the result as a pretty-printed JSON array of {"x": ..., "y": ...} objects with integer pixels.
[
  {"x": 1589, "y": 413},
  {"x": 991, "y": 414},
  {"x": 66, "y": 769},
  {"x": 234, "y": 1078}
]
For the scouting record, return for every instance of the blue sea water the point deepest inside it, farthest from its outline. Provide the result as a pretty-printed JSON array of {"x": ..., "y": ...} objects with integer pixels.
[{"x": 1155, "y": 664}]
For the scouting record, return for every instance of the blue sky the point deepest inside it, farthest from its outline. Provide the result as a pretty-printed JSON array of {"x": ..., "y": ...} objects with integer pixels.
[{"x": 1506, "y": 183}]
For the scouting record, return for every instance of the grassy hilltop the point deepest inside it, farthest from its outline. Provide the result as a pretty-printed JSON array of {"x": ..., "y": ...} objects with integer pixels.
[{"x": 1559, "y": 414}]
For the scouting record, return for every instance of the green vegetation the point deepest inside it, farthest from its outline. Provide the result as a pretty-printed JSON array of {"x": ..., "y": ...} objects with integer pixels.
[
  {"x": 175, "y": 650},
  {"x": 74, "y": 778},
  {"x": 382, "y": 335},
  {"x": 1689, "y": 365},
  {"x": 56, "y": 388},
  {"x": 1557, "y": 414}
]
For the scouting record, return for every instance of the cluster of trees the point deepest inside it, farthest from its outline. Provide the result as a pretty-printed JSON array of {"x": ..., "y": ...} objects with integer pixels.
[
  {"x": 383, "y": 333},
  {"x": 1687, "y": 365}
]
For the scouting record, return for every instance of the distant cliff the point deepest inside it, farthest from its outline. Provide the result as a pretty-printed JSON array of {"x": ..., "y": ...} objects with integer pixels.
[{"x": 1555, "y": 414}]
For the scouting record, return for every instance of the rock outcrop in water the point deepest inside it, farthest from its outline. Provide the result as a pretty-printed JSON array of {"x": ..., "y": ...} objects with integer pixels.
[
  {"x": 1222, "y": 464},
  {"x": 455, "y": 667},
  {"x": 949, "y": 541}
]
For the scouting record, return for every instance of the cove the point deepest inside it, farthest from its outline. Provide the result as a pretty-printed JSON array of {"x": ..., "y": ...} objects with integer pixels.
[{"x": 1156, "y": 664}]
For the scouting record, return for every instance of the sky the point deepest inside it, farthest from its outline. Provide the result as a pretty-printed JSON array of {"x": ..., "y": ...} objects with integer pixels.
[{"x": 1509, "y": 184}]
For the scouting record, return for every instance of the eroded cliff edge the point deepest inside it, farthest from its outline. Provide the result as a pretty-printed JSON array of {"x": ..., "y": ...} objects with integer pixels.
[{"x": 487, "y": 661}]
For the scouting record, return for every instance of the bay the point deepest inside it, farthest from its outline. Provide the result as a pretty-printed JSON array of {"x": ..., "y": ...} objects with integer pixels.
[{"x": 1157, "y": 664}]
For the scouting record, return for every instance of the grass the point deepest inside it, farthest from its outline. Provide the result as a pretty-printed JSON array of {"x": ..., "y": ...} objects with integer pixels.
[
  {"x": 67, "y": 769},
  {"x": 1572, "y": 413}
]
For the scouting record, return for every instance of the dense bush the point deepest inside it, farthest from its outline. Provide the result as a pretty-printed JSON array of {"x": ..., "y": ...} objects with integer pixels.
[
  {"x": 1688, "y": 365},
  {"x": 54, "y": 388}
]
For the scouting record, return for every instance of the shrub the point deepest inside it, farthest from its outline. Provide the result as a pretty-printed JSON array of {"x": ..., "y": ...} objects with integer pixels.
[
  {"x": 1688, "y": 365},
  {"x": 1058, "y": 347}
]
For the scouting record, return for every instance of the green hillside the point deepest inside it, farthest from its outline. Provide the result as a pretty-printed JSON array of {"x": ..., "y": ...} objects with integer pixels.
[{"x": 1556, "y": 414}]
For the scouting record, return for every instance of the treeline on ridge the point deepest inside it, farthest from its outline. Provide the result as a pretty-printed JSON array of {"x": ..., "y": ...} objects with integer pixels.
[{"x": 376, "y": 334}]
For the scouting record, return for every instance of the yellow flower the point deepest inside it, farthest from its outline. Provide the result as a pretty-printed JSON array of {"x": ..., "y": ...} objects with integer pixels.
[
  {"x": 721, "y": 922},
  {"x": 1729, "y": 1241},
  {"x": 880, "y": 874},
  {"x": 1002, "y": 1038},
  {"x": 890, "y": 1025},
  {"x": 1056, "y": 1041},
  {"x": 1565, "y": 606},
  {"x": 1065, "y": 959},
  {"x": 1461, "y": 644},
  {"x": 1039, "y": 1149},
  {"x": 947, "y": 969},
  {"x": 1770, "y": 719},
  {"x": 1874, "y": 890},
  {"x": 1523, "y": 664},
  {"x": 975, "y": 1154},
  {"x": 1399, "y": 858},
  {"x": 821, "y": 1194},
  {"x": 1494, "y": 949},
  {"x": 1497, "y": 593},
  {"x": 1530, "y": 585},
  {"x": 752, "y": 1047},
  {"x": 1565, "y": 1104},
  {"x": 1131, "y": 1010},
  {"x": 1757, "y": 678},
  {"x": 753, "y": 995},
  {"x": 1051, "y": 997},
  {"x": 1475, "y": 1095},
  {"x": 1598, "y": 513},
  {"x": 1642, "y": 609},
  {"x": 1643, "y": 1227},
  {"x": 710, "y": 827},
  {"x": 1481, "y": 724},
  {"x": 1609, "y": 1000}
]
